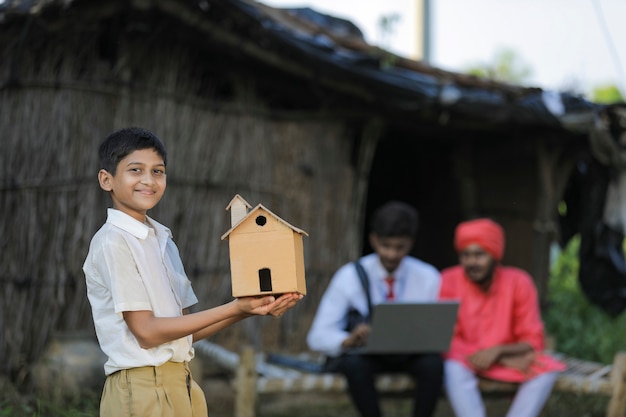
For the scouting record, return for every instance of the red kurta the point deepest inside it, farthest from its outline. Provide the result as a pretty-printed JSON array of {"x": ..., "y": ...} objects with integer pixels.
[{"x": 508, "y": 313}]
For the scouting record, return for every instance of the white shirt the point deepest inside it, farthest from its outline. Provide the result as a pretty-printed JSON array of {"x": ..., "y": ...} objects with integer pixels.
[
  {"x": 415, "y": 281},
  {"x": 134, "y": 266}
]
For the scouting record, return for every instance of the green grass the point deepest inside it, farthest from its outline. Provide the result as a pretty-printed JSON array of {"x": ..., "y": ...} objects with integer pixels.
[
  {"x": 16, "y": 404},
  {"x": 43, "y": 408},
  {"x": 26, "y": 407}
]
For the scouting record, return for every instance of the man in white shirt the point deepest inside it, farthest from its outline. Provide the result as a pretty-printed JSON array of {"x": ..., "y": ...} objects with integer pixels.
[{"x": 393, "y": 276}]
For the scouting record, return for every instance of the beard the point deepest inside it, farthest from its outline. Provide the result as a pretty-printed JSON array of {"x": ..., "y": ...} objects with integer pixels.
[{"x": 481, "y": 275}]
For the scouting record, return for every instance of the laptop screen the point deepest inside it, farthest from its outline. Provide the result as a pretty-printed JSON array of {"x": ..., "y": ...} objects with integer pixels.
[{"x": 412, "y": 327}]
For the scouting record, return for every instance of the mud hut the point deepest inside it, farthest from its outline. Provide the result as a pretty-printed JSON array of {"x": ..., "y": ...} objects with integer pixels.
[{"x": 291, "y": 108}]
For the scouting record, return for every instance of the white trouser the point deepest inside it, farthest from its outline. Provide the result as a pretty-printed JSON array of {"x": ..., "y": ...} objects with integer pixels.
[{"x": 462, "y": 391}]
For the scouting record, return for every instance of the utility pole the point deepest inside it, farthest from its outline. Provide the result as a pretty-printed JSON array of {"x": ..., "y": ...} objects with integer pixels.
[{"x": 423, "y": 13}]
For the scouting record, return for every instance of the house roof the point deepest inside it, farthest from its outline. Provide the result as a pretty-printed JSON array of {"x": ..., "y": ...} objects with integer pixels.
[
  {"x": 238, "y": 199},
  {"x": 332, "y": 52},
  {"x": 264, "y": 209},
  {"x": 406, "y": 85}
]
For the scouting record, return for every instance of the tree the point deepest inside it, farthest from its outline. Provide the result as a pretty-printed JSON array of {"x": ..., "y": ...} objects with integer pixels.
[
  {"x": 387, "y": 26},
  {"x": 606, "y": 94},
  {"x": 507, "y": 67}
]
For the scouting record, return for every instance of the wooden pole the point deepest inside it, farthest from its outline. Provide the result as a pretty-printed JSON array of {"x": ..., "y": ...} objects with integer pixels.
[
  {"x": 617, "y": 404},
  {"x": 370, "y": 137},
  {"x": 245, "y": 384},
  {"x": 544, "y": 224},
  {"x": 554, "y": 167}
]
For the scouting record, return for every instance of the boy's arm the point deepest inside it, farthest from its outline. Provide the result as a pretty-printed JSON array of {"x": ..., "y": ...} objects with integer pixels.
[
  {"x": 276, "y": 309},
  {"x": 214, "y": 328},
  {"x": 151, "y": 331}
]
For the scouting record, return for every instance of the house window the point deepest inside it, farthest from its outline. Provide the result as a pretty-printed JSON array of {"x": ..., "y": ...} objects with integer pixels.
[
  {"x": 261, "y": 220},
  {"x": 265, "y": 279}
]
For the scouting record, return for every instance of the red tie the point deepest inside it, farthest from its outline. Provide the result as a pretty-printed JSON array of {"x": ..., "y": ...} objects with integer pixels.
[{"x": 390, "y": 294}]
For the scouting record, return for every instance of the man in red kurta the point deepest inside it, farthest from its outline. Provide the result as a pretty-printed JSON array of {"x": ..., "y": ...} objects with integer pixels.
[{"x": 499, "y": 332}]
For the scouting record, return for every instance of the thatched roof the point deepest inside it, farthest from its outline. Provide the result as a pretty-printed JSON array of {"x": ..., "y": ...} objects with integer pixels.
[{"x": 332, "y": 53}]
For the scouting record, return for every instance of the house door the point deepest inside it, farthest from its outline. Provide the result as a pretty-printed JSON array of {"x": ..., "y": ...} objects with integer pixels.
[{"x": 265, "y": 279}]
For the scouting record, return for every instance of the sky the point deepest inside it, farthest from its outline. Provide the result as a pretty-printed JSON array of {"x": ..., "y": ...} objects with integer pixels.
[{"x": 568, "y": 45}]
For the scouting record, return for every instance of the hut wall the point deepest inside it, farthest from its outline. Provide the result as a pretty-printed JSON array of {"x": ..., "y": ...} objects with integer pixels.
[{"x": 62, "y": 94}]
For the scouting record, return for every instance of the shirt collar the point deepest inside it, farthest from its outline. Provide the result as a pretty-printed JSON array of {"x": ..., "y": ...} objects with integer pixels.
[
  {"x": 133, "y": 226},
  {"x": 382, "y": 273}
]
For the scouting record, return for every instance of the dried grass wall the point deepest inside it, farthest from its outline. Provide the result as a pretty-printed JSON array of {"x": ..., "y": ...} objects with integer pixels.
[{"x": 51, "y": 123}]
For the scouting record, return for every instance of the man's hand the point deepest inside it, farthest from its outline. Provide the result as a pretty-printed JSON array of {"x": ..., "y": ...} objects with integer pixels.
[
  {"x": 483, "y": 359},
  {"x": 520, "y": 361},
  {"x": 514, "y": 355},
  {"x": 358, "y": 336}
]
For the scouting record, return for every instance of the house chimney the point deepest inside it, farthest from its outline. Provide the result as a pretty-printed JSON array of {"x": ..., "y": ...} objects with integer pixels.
[{"x": 238, "y": 209}]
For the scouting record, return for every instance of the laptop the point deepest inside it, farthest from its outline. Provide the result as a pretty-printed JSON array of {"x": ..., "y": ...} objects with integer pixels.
[{"x": 404, "y": 328}]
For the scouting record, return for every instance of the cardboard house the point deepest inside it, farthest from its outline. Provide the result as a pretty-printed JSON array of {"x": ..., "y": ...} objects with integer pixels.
[{"x": 266, "y": 252}]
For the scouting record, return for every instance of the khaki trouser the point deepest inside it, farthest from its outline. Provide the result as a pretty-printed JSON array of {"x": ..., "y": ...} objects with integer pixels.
[{"x": 153, "y": 391}]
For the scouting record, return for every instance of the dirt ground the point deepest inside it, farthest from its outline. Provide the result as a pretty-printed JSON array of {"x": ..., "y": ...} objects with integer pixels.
[{"x": 221, "y": 404}]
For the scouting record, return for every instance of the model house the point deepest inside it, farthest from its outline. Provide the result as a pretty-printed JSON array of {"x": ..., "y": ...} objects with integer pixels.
[{"x": 266, "y": 252}]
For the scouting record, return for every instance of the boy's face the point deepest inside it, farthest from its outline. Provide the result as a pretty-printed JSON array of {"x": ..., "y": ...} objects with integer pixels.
[
  {"x": 391, "y": 250},
  {"x": 138, "y": 184}
]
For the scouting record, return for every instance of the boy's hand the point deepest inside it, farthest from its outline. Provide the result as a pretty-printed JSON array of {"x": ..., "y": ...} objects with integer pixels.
[
  {"x": 284, "y": 302},
  {"x": 264, "y": 305}
]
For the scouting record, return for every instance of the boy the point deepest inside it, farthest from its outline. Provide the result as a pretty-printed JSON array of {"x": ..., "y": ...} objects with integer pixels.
[
  {"x": 393, "y": 276},
  {"x": 140, "y": 295}
]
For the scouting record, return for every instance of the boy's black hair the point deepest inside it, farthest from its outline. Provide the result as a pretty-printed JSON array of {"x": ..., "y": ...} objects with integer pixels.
[
  {"x": 395, "y": 219},
  {"x": 117, "y": 145}
]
